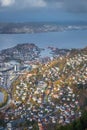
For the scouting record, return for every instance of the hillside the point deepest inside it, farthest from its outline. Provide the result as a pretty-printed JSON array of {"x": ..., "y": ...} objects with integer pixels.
[
  {"x": 39, "y": 27},
  {"x": 29, "y": 52},
  {"x": 21, "y": 52},
  {"x": 52, "y": 94},
  {"x": 55, "y": 92}
]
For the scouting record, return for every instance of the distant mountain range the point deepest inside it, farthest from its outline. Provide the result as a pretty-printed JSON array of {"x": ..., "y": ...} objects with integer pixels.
[{"x": 17, "y": 28}]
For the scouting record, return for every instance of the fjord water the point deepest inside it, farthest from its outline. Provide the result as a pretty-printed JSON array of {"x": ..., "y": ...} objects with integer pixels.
[
  {"x": 65, "y": 39},
  {"x": 1, "y": 97}
]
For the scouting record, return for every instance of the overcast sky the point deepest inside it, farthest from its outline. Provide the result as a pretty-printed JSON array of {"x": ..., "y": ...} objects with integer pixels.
[{"x": 43, "y": 10}]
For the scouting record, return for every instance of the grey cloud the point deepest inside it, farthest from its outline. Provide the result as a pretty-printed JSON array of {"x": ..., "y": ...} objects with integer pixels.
[
  {"x": 53, "y": 1},
  {"x": 78, "y": 6},
  {"x": 32, "y": 3},
  {"x": 5, "y": 3},
  {"x": 22, "y": 4}
]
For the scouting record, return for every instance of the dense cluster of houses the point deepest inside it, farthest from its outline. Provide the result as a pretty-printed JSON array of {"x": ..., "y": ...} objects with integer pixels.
[
  {"x": 46, "y": 97},
  {"x": 77, "y": 67}
]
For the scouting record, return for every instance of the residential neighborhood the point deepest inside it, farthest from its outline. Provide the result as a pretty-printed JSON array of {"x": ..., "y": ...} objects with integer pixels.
[{"x": 48, "y": 93}]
